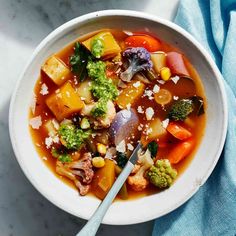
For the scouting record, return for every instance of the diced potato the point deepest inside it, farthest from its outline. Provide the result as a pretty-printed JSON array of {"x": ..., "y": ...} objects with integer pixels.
[
  {"x": 64, "y": 102},
  {"x": 51, "y": 127},
  {"x": 56, "y": 70},
  {"x": 131, "y": 93},
  {"x": 159, "y": 61},
  {"x": 154, "y": 131},
  {"x": 84, "y": 91},
  {"x": 111, "y": 47},
  {"x": 104, "y": 179}
]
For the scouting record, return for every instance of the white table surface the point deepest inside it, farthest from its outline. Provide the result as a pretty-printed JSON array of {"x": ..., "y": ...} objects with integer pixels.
[{"x": 23, "y": 24}]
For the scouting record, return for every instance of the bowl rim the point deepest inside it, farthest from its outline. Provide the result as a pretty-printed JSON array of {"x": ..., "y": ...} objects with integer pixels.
[{"x": 140, "y": 15}]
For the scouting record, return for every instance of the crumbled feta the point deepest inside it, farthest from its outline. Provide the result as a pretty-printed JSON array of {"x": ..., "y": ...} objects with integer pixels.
[
  {"x": 140, "y": 127},
  {"x": 161, "y": 81},
  {"x": 121, "y": 146},
  {"x": 44, "y": 89},
  {"x": 130, "y": 147},
  {"x": 136, "y": 84},
  {"x": 35, "y": 122},
  {"x": 175, "y": 97},
  {"x": 156, "y": 88},
  {"x": 126, "y": 114},
  {"x": 148, "y": 93},
  {"x": 149, "y": 131},
  {"x": 175, "y": 79},
  {"x": 128, "y": 106},
  {"x": 48, "y": 142},
  {"x": 140, "y": 110},
  {"x": 33, "y": 103},
  {"x": 149, "y": 113},
  {"x": 165, "y": 123}
]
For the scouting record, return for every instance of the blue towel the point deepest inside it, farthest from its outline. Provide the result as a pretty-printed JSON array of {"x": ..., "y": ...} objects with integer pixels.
[{"x": 212, "y": 210}]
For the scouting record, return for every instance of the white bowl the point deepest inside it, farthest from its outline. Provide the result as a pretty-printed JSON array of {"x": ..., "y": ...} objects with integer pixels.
[{"x": 142, "y": 209}]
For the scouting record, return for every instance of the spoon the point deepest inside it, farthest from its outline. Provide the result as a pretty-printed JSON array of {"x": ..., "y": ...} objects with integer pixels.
[{"x": 90, "y": 229}]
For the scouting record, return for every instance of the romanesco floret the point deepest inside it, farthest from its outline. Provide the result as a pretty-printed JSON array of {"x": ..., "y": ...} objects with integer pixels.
[{"x": 162, "y": 174}]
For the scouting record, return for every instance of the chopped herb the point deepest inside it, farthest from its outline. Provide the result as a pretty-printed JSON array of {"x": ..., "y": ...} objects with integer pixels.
[
  {"x": 100, "y": 109},
  {"x": 79, "y": 60},
  {"x": 153, "y": 148},
  {"x": 61, "y": 155},
  {"x": 72, "y": 137},
  {"x": 102, "y": 87},
  {"x": 97, "y": 47}
]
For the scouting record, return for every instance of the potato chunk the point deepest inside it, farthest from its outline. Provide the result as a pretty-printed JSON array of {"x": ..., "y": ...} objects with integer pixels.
[
  {"x": 56, "y": 70},
  {"x": 111, "y": 47},
  {"x": 64, "y": 102}
]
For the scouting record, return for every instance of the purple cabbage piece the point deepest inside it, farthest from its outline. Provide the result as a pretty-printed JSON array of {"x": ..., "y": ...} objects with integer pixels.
[{"x": 139, "y": 59}]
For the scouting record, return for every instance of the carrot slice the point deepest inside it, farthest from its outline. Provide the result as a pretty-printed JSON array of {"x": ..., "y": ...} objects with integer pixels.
[
  {"x": 146, "y": 41},
  {"x": 181, "y": 150},
  {"x": 178, "y": 131}
]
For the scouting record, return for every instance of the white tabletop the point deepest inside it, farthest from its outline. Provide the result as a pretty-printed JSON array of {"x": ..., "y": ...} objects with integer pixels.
[{"x": 23, "y": 24}]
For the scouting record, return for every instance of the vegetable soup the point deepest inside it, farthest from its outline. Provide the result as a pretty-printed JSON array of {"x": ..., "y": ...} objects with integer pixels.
[{"x": 101, "y": 95}]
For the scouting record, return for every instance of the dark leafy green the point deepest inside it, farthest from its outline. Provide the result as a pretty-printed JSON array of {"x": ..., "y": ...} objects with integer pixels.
[
  {"x": 79, "y": 61},
  {"x": 153, "y": 148},
  {"x": 121, "y": 159}
]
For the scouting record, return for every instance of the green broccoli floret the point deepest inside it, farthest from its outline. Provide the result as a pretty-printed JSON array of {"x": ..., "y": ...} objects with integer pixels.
[
  {"x": 97, "y": 47},
  {"x": 162, "y": 174},
  {"x": 181, "y": 109},
  {"x": 72, "y": 137},
  {"x": 121, "y": 159}
]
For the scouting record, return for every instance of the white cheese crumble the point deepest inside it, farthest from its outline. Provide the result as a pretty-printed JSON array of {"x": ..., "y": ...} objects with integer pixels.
[
  {"x": 165, "y": 123},
  {"x": 126, "y": 114},
  {"x": 137, "y": 84},
  {"x": 48, "y": 142},
  {"x": 140, "y": 127},
  {"x": 33, "y": 103},
  {"x": 35, "y": 122},
  {"x": 149, "y": 131},
  {"x": 149, "y": 113},
  {"x": 128, "y": 106},
  {"x": 161, "y": 81},
  {"x": 130, "y": 147},
  {"x": 44, "y": 89},
  {"x": 156, "y": 88},
  {"x": 121, "y": 146},
  {"x": 175, "y": 98},
  {"x": 175, "y": 79},
  {"x": 140, "y": 110},
  {"x": 148, "y": 93}
]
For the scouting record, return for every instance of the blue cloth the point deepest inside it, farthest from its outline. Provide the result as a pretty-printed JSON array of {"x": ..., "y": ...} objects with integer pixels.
[{"x": 212, "y": 210}]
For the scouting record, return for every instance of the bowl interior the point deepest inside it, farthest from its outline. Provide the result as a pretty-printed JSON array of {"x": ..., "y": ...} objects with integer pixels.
[{"x": 121, "y": 212}]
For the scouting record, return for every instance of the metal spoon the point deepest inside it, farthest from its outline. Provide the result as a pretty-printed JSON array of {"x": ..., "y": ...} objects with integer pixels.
[{"x": 93, "y": 224}]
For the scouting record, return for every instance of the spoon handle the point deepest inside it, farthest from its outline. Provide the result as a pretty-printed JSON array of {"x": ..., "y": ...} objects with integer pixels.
[{"x": 93, "y": 224}]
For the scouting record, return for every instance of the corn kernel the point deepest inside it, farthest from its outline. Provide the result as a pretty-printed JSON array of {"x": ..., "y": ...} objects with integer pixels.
[
  {"x": 165, "y": 73},
  {"x": 98, "y": 162},
  {"x": 101, "y": 148}
]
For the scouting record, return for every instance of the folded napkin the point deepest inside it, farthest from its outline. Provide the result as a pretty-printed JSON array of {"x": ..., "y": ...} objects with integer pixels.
[{"x": 212, "y": 210}]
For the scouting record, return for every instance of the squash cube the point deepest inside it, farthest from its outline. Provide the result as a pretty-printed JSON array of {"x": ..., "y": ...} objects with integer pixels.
[
  {"x": 111, "y": 47},
  {"x": 130, "y": 94},
  {"x": 56, "y": 70},
  {"x": 64, "y": 102}
]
